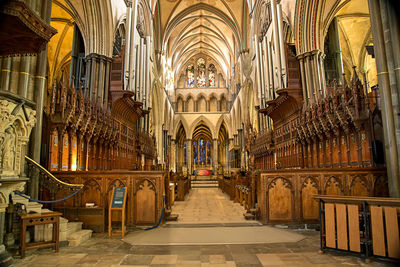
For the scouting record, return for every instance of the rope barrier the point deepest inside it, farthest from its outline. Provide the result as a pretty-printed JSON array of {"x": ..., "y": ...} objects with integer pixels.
[
  {"x": 162, "y": 215},
  {"x": 50, "y": 201}
]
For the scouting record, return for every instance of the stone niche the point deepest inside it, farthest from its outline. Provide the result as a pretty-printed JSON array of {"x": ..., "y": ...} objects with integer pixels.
[{"x": 16, "y": 123}]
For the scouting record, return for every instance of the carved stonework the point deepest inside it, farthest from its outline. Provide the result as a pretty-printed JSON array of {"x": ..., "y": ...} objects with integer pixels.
[{"x": 16, "y": 123}]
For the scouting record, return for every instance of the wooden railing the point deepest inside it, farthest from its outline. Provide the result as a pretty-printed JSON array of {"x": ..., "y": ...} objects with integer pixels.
[
  {"x": 227, "y": 185},
  {"x": 364, "y": 225}
]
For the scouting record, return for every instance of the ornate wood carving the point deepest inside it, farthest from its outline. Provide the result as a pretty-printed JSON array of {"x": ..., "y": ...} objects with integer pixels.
[{"x": 26, "y": 32}]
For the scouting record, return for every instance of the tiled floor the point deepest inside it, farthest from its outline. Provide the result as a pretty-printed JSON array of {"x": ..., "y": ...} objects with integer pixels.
[{"x": 207, "y": 206}]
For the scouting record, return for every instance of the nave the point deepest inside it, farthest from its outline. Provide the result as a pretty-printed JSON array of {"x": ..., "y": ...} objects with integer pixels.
[
  {"x": 127, "y": 114},
  {"x": 208, "y": 206}
]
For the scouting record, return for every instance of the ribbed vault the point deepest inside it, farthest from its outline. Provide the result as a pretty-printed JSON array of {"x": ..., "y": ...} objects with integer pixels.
[{"x": 211, "y": 27}]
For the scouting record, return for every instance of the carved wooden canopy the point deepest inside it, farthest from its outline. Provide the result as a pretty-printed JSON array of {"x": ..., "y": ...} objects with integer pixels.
[
  {"x": 125, "y": 108},
  {"x": 23, "y": 31}
]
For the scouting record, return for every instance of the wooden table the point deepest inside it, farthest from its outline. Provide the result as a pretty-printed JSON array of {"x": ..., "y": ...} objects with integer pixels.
[{"x": 40, "y": 219}]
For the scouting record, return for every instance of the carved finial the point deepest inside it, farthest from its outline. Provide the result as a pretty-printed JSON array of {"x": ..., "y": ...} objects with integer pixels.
[{"x": 73, "y": 82}]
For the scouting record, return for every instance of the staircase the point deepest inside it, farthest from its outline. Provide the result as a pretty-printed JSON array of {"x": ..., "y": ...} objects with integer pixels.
[
  {"x": 204, "y": 182},
  {"x": 71, "y": 233}
]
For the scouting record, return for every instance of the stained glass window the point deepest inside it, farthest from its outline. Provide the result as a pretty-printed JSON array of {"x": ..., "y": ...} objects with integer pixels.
[
  {"x": 211, "y": 75},
  {"x": 201, "y": 70},
  {"x": 190, "y": 75}
]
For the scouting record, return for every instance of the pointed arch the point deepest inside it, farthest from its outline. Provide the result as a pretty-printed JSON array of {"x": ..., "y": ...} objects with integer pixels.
[{"x": 206, "y": 121}]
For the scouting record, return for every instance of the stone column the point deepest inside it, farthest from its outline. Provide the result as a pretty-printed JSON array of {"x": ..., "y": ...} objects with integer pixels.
[
  {"x": 277, "y": 52},
  {"x": 100, "y": 87},
  {"x": 303, "y": 80},
  {"x": 386, "y": 49},
  {"x": 24, "y": 76},
  {"x": 93, "y": 78},
  {"x": 40, "y": 88},
  {"x": 132, "y": 52},
  {"x": 127, "y": 43},
  {"x": 5, "y": 73},
  {"x": 106, "y": 83},
  {"x": 88, "y": 76},
  {"x": 282, "y": 46},
  {"x": 189, "y": 155},
  {"x": 74, "y": 55},
  {"x": 215, "y": 154}
]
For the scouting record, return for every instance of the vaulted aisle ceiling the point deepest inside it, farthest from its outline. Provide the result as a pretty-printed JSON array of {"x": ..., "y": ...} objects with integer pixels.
[{"x": 211, "y": 27}]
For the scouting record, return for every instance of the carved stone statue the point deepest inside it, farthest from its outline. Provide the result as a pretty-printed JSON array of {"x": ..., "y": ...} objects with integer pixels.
[{"x": 8, "y": 150}]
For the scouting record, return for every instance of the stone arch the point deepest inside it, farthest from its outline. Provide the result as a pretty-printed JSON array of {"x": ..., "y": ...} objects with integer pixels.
[
  {"x": 180, "y": 121},
  {"x": 224, "y": 119},
  {"x": 201, "y": 103},
  {"x": 213, "y": 103},
  {"x": 206, "y": 121}
]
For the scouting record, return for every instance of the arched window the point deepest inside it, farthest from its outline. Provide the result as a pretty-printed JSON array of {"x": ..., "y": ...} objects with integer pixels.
[
  {"x": 190, "y": 75},
  {"x": 195, "y": 159},
  {"x": 201, "y": 70},
  {"x": 211, "y": 75}
]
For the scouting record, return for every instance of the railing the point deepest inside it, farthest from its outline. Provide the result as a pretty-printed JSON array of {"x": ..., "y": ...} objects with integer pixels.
[
  {"x": 50, "y": 182},
  {"x": 367, "y": 226}
]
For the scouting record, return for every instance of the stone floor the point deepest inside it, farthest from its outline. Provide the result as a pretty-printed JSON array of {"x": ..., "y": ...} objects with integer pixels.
[
  {"x": 202, "y": 208},
  {"x": 208, "y": 206},
  {"x": 103, "y": 251}
]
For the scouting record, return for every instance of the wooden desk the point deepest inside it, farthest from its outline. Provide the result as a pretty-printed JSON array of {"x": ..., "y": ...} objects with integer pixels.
[{"x": 40, "y": 219}]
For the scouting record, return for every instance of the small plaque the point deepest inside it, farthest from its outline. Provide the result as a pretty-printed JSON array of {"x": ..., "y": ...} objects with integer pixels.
[{"x": 118, "y": 198}]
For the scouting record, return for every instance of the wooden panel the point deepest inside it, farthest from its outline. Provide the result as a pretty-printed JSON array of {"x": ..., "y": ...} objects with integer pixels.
[
  {"x": 335, "y": 152},
  {"x": 330, "y": 225},
  {"x": 392, "y": 232},
  {"x": 309, "y": 204},
  {"x": 332, "y": 187},
  {"x": 378, "y": 235},
  {"x": 146, "y": 203},
  {"x": 341, "y": 225},
  {"x": 358, "y": 187},
  {"x": 354, "y": 228},
  {"x": 280, "y": 200}
]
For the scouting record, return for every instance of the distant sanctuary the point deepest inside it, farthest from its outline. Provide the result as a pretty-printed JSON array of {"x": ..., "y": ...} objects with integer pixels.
[{"x": 276, "y": 100}]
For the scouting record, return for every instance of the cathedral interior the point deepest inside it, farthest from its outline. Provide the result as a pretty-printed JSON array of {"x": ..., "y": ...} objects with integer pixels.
[{"x": 199, "y": 132}]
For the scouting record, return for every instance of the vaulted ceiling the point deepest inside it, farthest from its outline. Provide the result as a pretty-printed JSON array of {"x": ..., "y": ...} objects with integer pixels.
[{"x": 212, "y": 27}]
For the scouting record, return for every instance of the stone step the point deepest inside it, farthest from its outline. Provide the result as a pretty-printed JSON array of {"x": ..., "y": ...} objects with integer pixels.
[
  {"x": 172, "y": 217},
  {"x": 77, "y": 238},
  {"x": 205, "y": 181},
  {"x": 73, "y": 227},
  {"x": 249, "y": 216},
  {"x": 205, "y": 186}
]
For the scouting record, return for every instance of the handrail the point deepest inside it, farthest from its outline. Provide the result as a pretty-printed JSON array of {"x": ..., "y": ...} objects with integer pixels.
[
  {"x": 51, "y": 175},
  {"x": 359, "y": 200}
]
